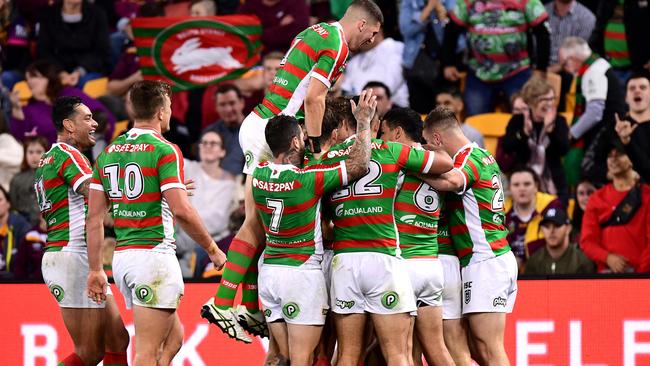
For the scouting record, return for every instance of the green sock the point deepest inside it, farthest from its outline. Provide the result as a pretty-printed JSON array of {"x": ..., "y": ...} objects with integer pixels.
[
  {"x": 240, "y": 255},
  {"x": 249, "y": 289}
]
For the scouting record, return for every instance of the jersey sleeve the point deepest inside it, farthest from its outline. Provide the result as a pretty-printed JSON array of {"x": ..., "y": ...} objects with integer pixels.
[
  {"x": 459, "y": 13},
  {"x": 328, "y": 177},
  {"x": 171, "y": 168},
  {"x": 413, "y": 160},
  {"x": 331, "y": 57},
  {"x": 465, "y": 165},
  {"x": 535, "y": 12},
  {"x": 75, "y": 169},
  {"x": 96, "y": 180}
]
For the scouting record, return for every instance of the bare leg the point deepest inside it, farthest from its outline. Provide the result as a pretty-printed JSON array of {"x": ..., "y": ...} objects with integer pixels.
[
  {"x": 428, "y": 329},
  {"x": 172, "y": 343},
  {"x": 86, "y": 328},
  {"x": 303, "y": 340},
  {"x": 392, "y": 332},
  {"x": 488, "y": 332},
  {"x": 455, "y": 334},
  {"x": 349, "y": 332},
  {"x": 280, "y": 334},
  {"x": 116, "y": 337},
  {"x": 152, "y": 326}
]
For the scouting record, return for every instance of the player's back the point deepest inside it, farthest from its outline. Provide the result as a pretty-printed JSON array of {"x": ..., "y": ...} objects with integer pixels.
[
  {"x": 288, "y": 201},
  {"x": 60, "y": 172},
  {"x": 133, "y": 171},
  {"x": 319, "y": 51},
  {"x": 362, "y": 211},
  {"x": 477, "y": 217}
]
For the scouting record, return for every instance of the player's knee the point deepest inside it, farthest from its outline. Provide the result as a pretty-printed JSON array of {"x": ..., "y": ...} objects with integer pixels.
[
  {"x": 118, "y": 340},
  {"x": 91, "y": 354}
]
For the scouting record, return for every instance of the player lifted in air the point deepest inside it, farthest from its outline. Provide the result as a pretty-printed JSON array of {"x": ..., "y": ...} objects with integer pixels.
[
  {"x": 416, "y": 210},
  {"x": 287, "y": 197},
  {"x": 476, "y": 226},
  {"x": 310, "y": 67},
  {"x": 61, "y": 184},
  {"x": 368, "y": 275},
  {"x": 139, "y": 178}
]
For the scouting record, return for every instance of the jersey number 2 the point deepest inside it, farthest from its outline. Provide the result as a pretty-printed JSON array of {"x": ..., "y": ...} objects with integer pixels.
[
  {"x": 133, "y": 181},
  {"x": 497, "y": 199},
  {"x": 365, "y": 185}
]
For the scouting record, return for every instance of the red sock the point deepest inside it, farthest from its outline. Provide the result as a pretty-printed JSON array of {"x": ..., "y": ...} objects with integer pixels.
[
  {"x": 72, "y": 360},
  {"x": 322, "y": 361},
  {"x": 115, "y": 359}
]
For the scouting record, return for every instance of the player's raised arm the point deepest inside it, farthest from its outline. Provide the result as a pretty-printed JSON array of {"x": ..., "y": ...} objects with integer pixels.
[
  {"x": 314, "y": 111},
  {"x": 191, "y": 222},
  {"x": 357, "y": 163}
]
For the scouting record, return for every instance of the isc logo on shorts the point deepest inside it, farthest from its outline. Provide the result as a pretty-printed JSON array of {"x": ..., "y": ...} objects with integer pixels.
[{"x": 468, "y": 291}]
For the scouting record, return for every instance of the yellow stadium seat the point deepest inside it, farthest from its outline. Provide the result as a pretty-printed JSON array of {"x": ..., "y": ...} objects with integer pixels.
[
  {"x": 120, "y": 126},
  {"x": 96, "y": 88},
  {"x": 23, "y": 91},
  {"x": 491, "y": 126},
  {"x": 555, "y": 80}
]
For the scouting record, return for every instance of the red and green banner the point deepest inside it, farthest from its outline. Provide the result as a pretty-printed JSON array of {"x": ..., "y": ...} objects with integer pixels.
[{"x": 190, "y": 52}]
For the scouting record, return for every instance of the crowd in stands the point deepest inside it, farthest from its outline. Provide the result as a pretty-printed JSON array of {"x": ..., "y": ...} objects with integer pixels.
[{"x": 558, "y": 91}]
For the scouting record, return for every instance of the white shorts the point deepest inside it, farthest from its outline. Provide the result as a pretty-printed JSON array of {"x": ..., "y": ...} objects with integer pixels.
[
  {"x": 328, "y": 255},
  {"x": 452, "y": 307},
  {"x": 148, "y": 278},
  {"x": 427, "y": 281},
  {"x": 370, "y": 282},
  {"x": 253, "y": 142},
  {"x": 490, "y": 286},
  {"x": 66, "y": 274},
  {"x": 293, "y": 294}
]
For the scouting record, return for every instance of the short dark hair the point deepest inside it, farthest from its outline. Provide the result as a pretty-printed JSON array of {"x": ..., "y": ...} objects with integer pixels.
[
  {"x": 330, "y": 120},
  {"x": 440, "y": 118},
  {"x": 225, "y": 88},
  {"x": 147, "y": 97},
  {"x": 51, "y": 72},
  {"x": 406, "y": 118},
  {"x": 64, "y": 108},
  {"x": 642, "y": 74},
  {"x": 338, "y": 110},
  {"x": 370, "y": 7},
  {"x": 525, "y": 169},
  {"x": 279, "y": 132},
  {"x": 451, "y": 90},
  {"x": 378, "y": 84}
]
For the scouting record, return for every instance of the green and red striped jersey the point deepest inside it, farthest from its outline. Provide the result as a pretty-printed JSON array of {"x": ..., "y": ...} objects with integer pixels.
[
  {"x": 615, "y": 41},
  {"x": 133, "y": 172},
  {"x": 362, "y": 212},
  {"x": 476, "y": 215},
  {"x": 288, "y": 199},
  {"x": 417, "y": 209},
  {"x": 60, "y": 172},
  {"x": 319, "y": 52},
  {"x": 445, "y": 246}
]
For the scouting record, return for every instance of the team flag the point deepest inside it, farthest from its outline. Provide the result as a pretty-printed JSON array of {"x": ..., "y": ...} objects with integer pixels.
[{"x": 191, "y": 52}]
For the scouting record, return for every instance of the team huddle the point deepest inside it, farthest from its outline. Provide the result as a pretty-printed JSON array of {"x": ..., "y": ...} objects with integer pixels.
[{"x": 339, "y": 225}]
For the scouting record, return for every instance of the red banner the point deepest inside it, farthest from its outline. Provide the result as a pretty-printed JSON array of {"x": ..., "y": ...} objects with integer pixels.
[{"x": 561, "y": 322}]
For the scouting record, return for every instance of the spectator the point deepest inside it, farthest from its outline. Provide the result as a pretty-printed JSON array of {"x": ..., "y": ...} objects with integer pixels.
[
  {"x": 281, "y": 21},
  {"x": 30, "y": 252},
  {"x": 634, "y": 129},
  {"x": 567, "y": 18},
  {"x": 15, "y": 44},
  {"x": 13, "y": 228},
  {"x": 524, "y": 210},
  {"x": 598, "y": 97},
  {"x": 383, "y": 94},
  {"x": 36, "y": 117},
  {"x": 421, "y": 23},
  {"x": 203, "y": 8},
  {"x": 620, "y": 35},
  {"x": 74, "y": 34},
  {"x": 540, "y": 138},
  {"x": 21, "y": 189},
  {"x": 559, "y": 255},
  {"x": 215, "y": 191},
  {"x": 382, "y": 60},
  {"x": 254, "y": 88},
  {"x": 584, "y": 190},
  {"x": 518, "y": 105},
  {"x": 498, "y": 39},
  {"x": 616, "y": 226},
  {"x": 11, "y": 154},
  {"x": 451, "y": 98},
  {"x": 230, "y": 106}
]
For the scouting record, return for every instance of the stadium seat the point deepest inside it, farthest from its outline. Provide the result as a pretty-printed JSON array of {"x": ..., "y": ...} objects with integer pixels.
[
  {"x": 120, "y": 126},
  {"x": 96, "y": 88},
  {"x": 491, "y": 126},
  {"x": 555, "y": 81},
  {"x": 23, "y": 91}
]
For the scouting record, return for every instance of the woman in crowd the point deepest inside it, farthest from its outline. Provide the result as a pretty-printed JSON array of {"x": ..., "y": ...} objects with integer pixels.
[
  {"x": 21, "y": 189},
  {"x": 524, "y": 210},
  {"x": 540, "y": 138},
  {"x": 584, "y": 190},
  {"x": 35, "y": 118},
  {"x": 13, "y": 228}
]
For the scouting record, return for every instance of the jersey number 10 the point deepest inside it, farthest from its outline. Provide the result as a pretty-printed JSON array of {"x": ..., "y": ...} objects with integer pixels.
[{"x": 133, "y": 183}]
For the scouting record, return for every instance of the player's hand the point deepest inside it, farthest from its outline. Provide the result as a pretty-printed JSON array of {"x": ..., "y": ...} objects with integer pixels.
[
  {"x": 617, "y": 263},
  {"x": 451, "y": 73},
  {"x": 190, "y": 187},
  {"x": 624, "y": 129},
  {"x": 367, "y": 106},
  {"x": 97, "y": 284},
  {"x": 216, "y": 255}
]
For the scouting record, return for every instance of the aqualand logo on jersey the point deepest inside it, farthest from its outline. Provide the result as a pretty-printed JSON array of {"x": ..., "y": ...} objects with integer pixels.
[
  {"x": 412, "y": 220},
  {"x": 340, "y": 210},
  {"x": 201, "y": 51}
]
